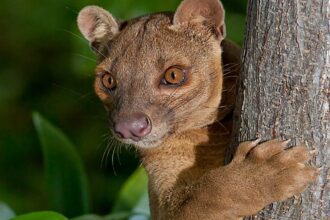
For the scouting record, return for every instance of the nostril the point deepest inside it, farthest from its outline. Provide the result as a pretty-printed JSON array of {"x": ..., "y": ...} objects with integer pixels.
[
  {"x": 122, "y": 130},
  {"x": 141, "y": 127},
  {"x": 147, "y": 127},
  {"x": 148, "y": 121}
]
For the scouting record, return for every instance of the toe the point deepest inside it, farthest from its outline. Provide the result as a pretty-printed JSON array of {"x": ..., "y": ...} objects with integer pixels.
[
  {"x": 267, "y": 149},
  {"x": 291, "y": 157},
  {"x": 244, "y": 148}
]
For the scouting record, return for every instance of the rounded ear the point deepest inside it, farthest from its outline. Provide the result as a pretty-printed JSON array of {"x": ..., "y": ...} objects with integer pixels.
[
  {"x": 211, "y": 11},
  {"x": 97, "y": 24}
]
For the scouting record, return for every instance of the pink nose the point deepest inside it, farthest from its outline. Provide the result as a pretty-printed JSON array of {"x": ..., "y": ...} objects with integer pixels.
[{"x": 136, "y": 127}]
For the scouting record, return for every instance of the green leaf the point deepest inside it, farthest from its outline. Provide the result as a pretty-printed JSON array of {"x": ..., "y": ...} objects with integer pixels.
[
  {"x": 88, "y": 217},
  {"x": 116, "y": 216},
  {"x": 131, "y": 193},
  {"x": 6, "y": 212},
  {"x": 142, "y": 207},
  {"x": 66, "y": 178},
  {"x": 139, "y": 217},
  {"x": 46, "y": 215}
]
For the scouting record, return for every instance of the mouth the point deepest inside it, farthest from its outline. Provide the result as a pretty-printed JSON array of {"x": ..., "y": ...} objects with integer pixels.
[{"x": 150, "y": 141}]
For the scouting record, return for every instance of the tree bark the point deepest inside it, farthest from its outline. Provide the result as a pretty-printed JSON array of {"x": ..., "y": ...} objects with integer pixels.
[{"x": 284, "y": 91}]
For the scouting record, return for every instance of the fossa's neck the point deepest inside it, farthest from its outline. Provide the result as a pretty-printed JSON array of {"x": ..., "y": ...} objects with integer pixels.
[{"x": 187, "y": 156}]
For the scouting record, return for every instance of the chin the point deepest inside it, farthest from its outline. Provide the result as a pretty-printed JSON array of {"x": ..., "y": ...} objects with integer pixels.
[{"x": 145, "y": 143}]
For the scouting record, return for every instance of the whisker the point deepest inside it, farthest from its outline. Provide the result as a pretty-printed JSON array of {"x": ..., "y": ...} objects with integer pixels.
[
  {"x": 108, "y": 152},
  {"x": 185, "y": 101},
  {"x": 105, "y": 153},
  {"x": 234, "y": 65},
  {"x": 224, "y": 127},
  {"x": 85, "y": 57},
  {"x": 230, "y": 77},
  {"x": 112, "y": 160},
  {"x": 85, "y": 96},
  {"x": 71, "y": 10},
  {"x": 230, "y": 64},
  {"x": 230, "y": 69},
  {"x": 83, "y": 39},
  {"x": 230, "y": 89},
  {"x": 230, "y": 72},
  {"x": 106, "y": 137},
  {"x": 76, "y": 35},
  {"x": 76, "y": 93},
  {"x": 118, "y": 154},
  {"x": 171, "y": 96}
]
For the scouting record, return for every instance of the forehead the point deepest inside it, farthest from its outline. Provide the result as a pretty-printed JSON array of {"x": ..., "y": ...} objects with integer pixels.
[{"x": 154, "y": 36}]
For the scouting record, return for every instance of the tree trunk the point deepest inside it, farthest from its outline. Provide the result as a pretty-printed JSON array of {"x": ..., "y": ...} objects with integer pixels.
[{"x": 284, "y": 91}]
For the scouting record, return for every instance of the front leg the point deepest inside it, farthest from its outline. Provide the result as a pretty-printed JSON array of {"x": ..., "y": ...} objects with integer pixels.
[{"x": 258, "y": 175}]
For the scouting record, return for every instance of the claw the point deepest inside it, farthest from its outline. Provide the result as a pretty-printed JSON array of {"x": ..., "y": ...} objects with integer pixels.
[
  {"x": 244, "y": 148},
  {"x": 313, "y": 152},
  {"x": 285, "y": 143},
  {"x": 256, "y": 142}
]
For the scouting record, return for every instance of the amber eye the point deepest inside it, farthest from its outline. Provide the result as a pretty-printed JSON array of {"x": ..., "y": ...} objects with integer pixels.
[
  {"x": 109, "y": 81},
  {"x": 174, "y": 76}
]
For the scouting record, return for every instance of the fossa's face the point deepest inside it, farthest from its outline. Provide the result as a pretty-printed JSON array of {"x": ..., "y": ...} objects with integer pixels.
[{"x": 157, "y": 79}]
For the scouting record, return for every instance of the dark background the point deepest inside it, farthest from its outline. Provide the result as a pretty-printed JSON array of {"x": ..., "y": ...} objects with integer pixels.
[{"x": 46, "y": 66}]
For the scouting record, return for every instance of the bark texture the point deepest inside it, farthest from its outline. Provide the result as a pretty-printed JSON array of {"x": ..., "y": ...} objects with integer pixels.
[{"x": 285, "y": 91}]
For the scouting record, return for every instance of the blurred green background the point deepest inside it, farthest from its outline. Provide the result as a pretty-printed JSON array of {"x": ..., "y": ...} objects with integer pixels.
[{"x": 46, "y": 66}]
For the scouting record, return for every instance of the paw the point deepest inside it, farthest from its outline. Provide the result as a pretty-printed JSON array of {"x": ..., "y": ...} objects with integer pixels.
[{"x": 278, "y": 173}]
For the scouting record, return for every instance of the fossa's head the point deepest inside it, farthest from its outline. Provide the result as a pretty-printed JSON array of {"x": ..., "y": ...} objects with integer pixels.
[{"x": 160, "y": 74}]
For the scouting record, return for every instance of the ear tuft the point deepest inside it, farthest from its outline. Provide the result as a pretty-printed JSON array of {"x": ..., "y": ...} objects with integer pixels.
[
  {"x": 211, "y": 11},
  {"x": 96, "y": 24}
]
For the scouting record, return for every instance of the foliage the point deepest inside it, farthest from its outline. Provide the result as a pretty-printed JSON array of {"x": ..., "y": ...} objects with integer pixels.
[
  {"x": 132, "y": 191},
  {"x": 67, "y": 183},
  {"x": 46, "y": 66},
  {"x": 41, "y": 216},
  {"x": 66, "y": 178},
  {"x": 5, "y": 212}
]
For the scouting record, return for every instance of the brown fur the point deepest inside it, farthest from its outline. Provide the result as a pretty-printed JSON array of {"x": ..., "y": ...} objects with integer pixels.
[{"x": 191, "y": 124}]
